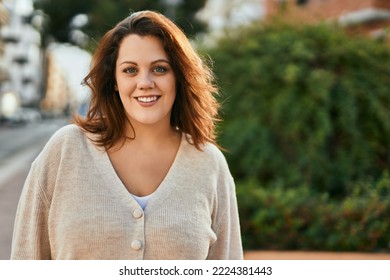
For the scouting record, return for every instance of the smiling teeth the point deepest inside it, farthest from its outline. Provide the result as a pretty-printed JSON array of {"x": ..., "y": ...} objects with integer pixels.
[{"x": 147, "y": 99}]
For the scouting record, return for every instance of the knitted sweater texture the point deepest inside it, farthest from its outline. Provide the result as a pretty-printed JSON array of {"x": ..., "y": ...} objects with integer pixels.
[{"x": 74, "y": 206}]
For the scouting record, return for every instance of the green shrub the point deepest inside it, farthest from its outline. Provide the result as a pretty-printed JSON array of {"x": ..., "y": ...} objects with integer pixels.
[
  {"x": 287, "y": 219},
  {"x": 304, "y": 105}
]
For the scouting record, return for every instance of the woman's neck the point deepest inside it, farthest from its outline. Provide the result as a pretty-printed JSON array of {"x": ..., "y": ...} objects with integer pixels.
[{"x": 148, "y": 136}]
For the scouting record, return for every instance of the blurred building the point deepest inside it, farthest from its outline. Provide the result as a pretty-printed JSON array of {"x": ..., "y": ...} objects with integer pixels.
[
  {"x": 57, "y": 93},
  {"x": 368, "y": 16},
  {"x": 66, "y": 66},
  {"x": 21, "y": 58},
  {"x": 224, "y": 14},
  {"x": 4, "y": 19}
]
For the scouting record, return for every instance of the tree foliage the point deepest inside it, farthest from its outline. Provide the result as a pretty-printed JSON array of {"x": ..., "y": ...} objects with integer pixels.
[
  {"x": 304, "y": 105},
  {"x": 103, "y": 15},
  {"x": 301, "y": 219},
  {"x": 59, "y": 16}
]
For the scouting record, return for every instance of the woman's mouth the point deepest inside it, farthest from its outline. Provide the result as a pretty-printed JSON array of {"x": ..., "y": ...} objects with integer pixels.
[{"x": 147, "y": 100}]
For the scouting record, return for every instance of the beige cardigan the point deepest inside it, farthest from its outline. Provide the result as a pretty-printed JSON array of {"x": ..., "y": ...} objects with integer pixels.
[{"x": 74, "y": 206}]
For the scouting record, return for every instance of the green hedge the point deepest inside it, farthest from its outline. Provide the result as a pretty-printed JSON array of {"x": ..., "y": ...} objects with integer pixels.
[
  {"x": 299, "y": 218},
  {"x": 304, "y": 105}
]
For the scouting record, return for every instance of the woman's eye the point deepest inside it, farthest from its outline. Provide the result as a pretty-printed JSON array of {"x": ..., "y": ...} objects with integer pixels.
[
  {"x": 160, "y": 69},
  {"x": 130, "y": 70}
]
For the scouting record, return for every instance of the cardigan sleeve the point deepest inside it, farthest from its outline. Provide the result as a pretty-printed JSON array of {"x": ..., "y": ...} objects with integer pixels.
[
  {"x": 31, "y": 229},
  {"x": 228, "y": 245},
  {"x": 30, "y": 238}
]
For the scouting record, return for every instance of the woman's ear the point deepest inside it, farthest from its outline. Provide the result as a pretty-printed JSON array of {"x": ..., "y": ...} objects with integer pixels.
[{"x": 116, "y": 88}]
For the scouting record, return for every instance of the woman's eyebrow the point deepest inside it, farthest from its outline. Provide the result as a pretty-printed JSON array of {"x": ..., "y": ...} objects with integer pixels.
[
  {"x": 153, "y": 62},
  {"x": 161, "y": 60},
  {"x": 128, "y": 62}
]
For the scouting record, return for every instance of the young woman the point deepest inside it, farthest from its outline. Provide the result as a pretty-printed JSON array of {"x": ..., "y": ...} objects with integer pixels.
[{"x": 141, "y": 177}]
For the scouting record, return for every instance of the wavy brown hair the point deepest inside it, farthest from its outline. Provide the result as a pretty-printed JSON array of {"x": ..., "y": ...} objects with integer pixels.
[{"x": 195, "y": 108}]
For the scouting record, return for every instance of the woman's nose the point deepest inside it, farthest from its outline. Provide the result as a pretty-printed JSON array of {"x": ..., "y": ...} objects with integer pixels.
[{"x": 145, "y": 81}]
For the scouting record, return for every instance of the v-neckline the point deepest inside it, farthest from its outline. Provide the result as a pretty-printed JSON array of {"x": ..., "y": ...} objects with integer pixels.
[{"x": 163, "y": 187}]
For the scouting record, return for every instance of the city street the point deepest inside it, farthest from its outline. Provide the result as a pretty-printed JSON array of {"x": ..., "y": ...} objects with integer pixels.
[{"x": 19, "y": 145}]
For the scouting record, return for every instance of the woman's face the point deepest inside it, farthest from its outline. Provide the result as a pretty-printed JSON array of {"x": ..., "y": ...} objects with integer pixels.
[{"x": 145, "y": 80}]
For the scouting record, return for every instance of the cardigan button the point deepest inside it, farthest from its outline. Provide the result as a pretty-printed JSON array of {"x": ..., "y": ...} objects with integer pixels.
[
  {"x": 136, "y": 244},
  {"x": 137, "y": 213}
]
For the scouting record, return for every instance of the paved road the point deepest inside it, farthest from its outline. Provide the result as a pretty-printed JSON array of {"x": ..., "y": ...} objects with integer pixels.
[{"x": 18, "y": 148}]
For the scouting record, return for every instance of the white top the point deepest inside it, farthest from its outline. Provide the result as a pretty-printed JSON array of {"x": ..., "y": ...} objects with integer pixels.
[{"x": 142, "y": 200}]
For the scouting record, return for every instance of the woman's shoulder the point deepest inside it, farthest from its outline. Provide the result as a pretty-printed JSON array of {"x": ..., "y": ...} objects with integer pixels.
[
  {"x": 213, "y": 151},
  {"x": 69, "y": 130},
  {"x": 69, "y": 135},
  {"x": 208, "y": 153}
]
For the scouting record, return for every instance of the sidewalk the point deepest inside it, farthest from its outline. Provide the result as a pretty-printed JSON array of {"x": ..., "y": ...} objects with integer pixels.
[{"x": 306, "y": 255}]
